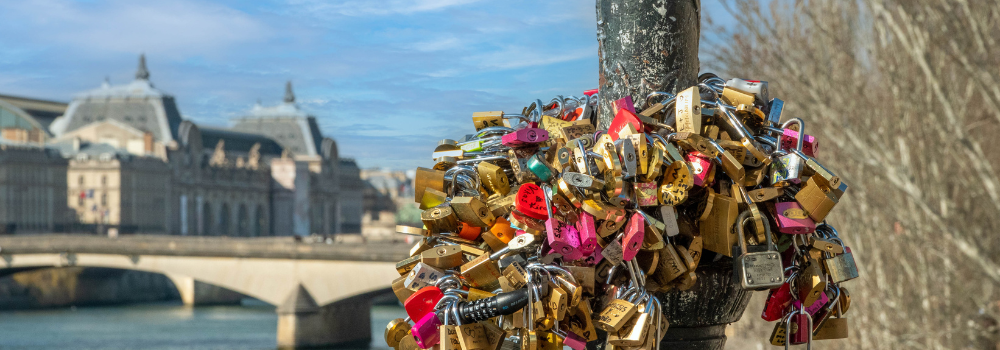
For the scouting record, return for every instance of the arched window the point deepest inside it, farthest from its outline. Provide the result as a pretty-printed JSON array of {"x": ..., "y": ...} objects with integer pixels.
[
  {"x": 243, "y": 221},
  {"x": 206, "y": 217},
  {"x": 224, "y": 220},
  {"x": 259, "y": 221}
]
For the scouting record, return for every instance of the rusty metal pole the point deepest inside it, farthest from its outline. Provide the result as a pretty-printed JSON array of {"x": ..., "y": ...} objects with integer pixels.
[{"x": 652, "y": 45}]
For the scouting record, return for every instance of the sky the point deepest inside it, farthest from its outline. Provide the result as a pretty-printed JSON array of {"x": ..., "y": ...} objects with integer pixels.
[{"x": 386, "y": 79}]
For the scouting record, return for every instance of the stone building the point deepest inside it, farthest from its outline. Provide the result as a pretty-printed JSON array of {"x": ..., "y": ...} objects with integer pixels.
[
  {"x": 32, "y": 177},
  {"x": 272, "y": 173}
]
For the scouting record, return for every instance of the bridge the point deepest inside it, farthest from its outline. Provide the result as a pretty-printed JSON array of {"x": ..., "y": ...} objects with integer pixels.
[{"x": 322, "y": 291}]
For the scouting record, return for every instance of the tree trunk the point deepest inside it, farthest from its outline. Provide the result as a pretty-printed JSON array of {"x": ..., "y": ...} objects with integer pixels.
[{"x": 647, "y": 46}]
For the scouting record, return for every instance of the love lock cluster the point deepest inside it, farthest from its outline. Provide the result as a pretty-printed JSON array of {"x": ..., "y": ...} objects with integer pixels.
[{"x": 539, "y": 218}]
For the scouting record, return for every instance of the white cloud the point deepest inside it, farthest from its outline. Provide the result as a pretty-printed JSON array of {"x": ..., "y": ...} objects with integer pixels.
[
  {"x": 172, "y": 28},
  {"x": 521, "y": 57},
  {"x": 440, "y": 44},
  {"x": 376, "y": 7}
]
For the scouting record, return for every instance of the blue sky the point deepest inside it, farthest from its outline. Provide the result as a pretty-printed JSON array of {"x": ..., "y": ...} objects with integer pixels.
[{"x": 386, "y": 78}]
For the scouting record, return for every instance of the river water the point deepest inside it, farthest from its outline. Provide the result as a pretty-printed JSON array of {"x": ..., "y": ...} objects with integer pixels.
[{"x": 167, "y": 326}]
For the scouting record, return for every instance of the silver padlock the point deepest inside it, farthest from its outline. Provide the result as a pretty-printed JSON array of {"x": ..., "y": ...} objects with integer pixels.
[
  {"x": 788, "y": 168},
  {"x": 840, "y": 267},
  {"x": 758, "y": 270}
]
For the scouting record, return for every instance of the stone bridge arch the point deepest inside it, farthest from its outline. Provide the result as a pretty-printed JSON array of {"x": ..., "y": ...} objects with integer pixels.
[{"x": 322, "y": 292}]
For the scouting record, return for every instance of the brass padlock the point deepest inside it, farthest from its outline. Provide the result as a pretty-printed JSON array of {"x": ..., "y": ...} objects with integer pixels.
[
  {"x": 482, "y": 272},
  {"x": 427, "y": 178},
  {"x": 632, "y": 333},
  {"x": 615, "y": 315},
  {"x": 440, "y": 219},
  {"x": 473, "y": 337},
  {"x": 816, "y": 200},
  {"x": 811, "y": 281},
  {"x": 395, "y": 331},
  {"x": 443, "y": 257},
  {"x": 670, "y": 267},
  {"x": 717, "y": 228},
  {"x": 687, "y": 110},
  {"x": 472, "y": 211}
]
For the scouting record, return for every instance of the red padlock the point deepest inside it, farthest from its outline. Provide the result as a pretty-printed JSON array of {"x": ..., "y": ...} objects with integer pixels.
[
  {"x": 792, "y": 219},
  {"x": 623, "y": 118},
  {"x": 422, "y": 302},
  {"x": 530, "y": 201},
  {"x": 777, "y": 303},
  {"x": 588, "y": 233},
  {"x": 635, "y": 232}
]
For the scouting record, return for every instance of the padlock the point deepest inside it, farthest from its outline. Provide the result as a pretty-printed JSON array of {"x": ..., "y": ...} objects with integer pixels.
[
  {"x": 717, "y": 228},
  {"x": 443, "y": 257},
  {"x": 670, "y": 265},
  {"x": 789, "y": 167},
  {"x": 425, "y": 330},
  {"x": 811, "y": 281},
  {"x": 448, "y": 337},
  {"x": 482, "y": 272},
  {"x": 421, "y": 276},
  {"x": 634, "y": 235},
  {"x": 624, "y": 118},
  {"x": 789, "y": 140},
  {"x": 530, "y": 201},
  {"x": 833, "y": 327},
  {"x": 422, "y": 302},
  {"x": 792, "y": 219},
  {"x": 633, "y": 333},
  {"x": 687, "y": 110},
  {"x": 495, "y": 336},
  {"x": 525, "y": 137},
  {"x": 816, "y": 200},
  {"x": 400, "y": 290},
  {"x": 562, "y": 237},
  {"x": 758, "y": 269},
  {"x": 473, "y": 336},
  {"x": 440, "y": 219},
  {"x": 578, "y": 321},
  {"x": 427, "y": 179},
  {"x": 541, "y": 168},
  {"x": 395, "y": 331},
  {"x": 816, "y": 306},
  {"x": 574, "y": 341},
  {"x": 802, "y": 333},
  {"x": 588, "y": 233},
  {"x": 472, "y": 211},
  {"x": 841, "y": 267},
  {"x": 777, "y": 302},
  {"x": 646, "y": 194},
  {"x": 700, "y": 167},
  {"x": 549, "y": 341},
  {"x": 756, "y": 90},
  {"x": 615, "y": 315}
]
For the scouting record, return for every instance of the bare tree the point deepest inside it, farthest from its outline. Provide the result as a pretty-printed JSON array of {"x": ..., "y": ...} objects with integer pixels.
[{"x": 904, "y": 96}]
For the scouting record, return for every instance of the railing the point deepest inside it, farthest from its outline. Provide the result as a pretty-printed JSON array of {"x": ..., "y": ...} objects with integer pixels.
[{"x": 259, "y": 247}]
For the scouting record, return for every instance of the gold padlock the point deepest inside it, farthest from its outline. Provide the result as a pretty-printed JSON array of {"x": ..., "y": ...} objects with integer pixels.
[
  {"x": 615, "y": 315},
  {"x": 443, "y": 257},
  {"x": 472, "y": 211},
  {"x": 440, "y": 219}
]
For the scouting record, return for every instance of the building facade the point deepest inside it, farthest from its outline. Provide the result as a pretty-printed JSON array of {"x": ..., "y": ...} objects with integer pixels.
[{"x": 131, "y": 162}]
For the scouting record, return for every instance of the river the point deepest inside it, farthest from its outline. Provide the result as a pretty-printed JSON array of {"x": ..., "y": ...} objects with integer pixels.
[{"x": 166, "y": 326}]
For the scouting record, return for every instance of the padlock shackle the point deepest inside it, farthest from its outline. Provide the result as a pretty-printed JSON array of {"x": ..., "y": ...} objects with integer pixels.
[
  {"x": 802, "y": 132},
  {"x": 742, "y": 221}
]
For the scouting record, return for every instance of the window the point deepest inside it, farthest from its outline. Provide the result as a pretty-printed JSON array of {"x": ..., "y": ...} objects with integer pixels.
[
  {"x": 79, "y": 201},
  {"x": 104, "y": 199},
  {"x": 81, "y": 180},
  {"x": 104, "y": 180}
]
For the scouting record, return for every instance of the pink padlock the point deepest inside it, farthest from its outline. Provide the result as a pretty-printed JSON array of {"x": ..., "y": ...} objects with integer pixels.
[
  {"x": 624, "y": 103},
  {"x": 426, "y": 331},
  {"x": 700, "y": 167},
  {"x": 563, "y": 238},
  {"x": 816, "y": 306},
  {"x": 594, "y": 258},
  {"x": 524, "y": 137},
  {"x": 789, "y": 137},
  {"x": 588, "y": 233},
  {"x": 792, "y": 219},
  {"x": 574, "y": 341},
  {"x": 635, "y": 232}
]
